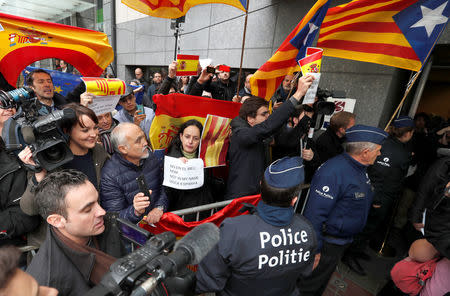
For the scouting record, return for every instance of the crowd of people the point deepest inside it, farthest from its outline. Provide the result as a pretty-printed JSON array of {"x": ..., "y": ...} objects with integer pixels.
[{"x": 359, "y": 177}]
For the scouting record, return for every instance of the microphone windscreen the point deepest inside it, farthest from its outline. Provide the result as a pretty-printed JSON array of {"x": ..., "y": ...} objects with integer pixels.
[
  {"x": 28, "y": 134},
  {"x": 199, "y": 241},
  {"x": 69, "y": 113}
]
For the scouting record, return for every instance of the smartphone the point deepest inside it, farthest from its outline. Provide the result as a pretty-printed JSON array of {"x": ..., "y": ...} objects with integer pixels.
[
  {"x": 140, "y": 109},
  {"x": 143, "y": 187},
  {"x": 132, "y": 232},
  {"x": 210, "y": 69}
]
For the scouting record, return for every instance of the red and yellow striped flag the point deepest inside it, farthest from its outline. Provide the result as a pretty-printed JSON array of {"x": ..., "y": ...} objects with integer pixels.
[
  {"x": 175, "y": 8},
  {"x": 24, "y": 41},
  {"x": 398, "y": 33},
  {"x": 215, "y": 140},
  {"x": 187, "y": 64},
  {"x": 269, "y": 76},
  {"x": 312, "y": 62},
  {"x": 175, "y": 109}
]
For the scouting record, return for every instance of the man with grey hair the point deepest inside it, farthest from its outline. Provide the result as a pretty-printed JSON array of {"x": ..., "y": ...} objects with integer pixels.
[
  {"x": 119, "y": 190},
  {"x": 339, "y": 202}
]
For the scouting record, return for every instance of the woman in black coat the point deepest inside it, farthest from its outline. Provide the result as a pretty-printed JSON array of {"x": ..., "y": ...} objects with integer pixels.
[{"x": 185, "y": 146}]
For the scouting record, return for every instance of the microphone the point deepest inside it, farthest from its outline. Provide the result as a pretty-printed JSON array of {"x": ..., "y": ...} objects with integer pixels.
[
  {"x": 191, "y": 249},
  {"x": 57, "y": 115}
]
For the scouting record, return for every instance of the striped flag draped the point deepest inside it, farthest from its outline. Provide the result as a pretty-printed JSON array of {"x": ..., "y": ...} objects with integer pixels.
[
  {"x": 215, "y": 138},
  {"x": 398, "y": 33},
  {"x": 266, "y": 80}
]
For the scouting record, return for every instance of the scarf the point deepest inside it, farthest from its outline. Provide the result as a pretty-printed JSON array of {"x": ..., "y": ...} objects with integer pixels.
[
  {"x": 276, "y": 216},
  {"x": 102, "y": 261},
  {"x": 105, "y": 136},
  {"x": 189, "y": 155}
]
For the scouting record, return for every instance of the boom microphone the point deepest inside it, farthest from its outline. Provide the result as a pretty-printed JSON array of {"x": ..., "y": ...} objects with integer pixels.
[
  {"x": 55, "y": 116},
  {"x": 191, "y": 249}
]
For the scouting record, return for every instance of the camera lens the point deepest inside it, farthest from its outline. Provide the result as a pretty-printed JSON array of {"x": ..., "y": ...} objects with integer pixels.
[{"x": 54, "y": 154}]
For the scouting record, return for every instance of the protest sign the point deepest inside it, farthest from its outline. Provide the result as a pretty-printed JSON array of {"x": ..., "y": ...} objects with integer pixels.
[
  {"x": 107, "y": 92},
  {"x": 310, "y": 96},
  {"x": 340, "y": 105},
  {"x": 180, "y": 175}
]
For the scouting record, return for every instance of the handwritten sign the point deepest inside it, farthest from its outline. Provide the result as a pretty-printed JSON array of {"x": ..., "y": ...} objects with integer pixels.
[
  {"x": 181, "y": 175},
  {"x": 107, "y": 93},
  {"x": 310, "y": 95}
]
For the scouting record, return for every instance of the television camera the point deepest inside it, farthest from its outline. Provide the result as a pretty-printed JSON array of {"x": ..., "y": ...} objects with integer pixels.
[
  {"x": 151, "y": 269},
  {"x": 41, "y": 131}
]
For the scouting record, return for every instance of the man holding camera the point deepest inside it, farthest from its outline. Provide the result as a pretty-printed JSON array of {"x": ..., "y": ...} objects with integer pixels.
[
  {"x": 81, "y": 241},
  {"x": 223, "y": 89},
  {"x": 264, "y": 253}
]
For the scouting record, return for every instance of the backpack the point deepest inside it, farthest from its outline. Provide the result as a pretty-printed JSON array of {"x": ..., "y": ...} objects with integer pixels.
[{"x": 410, "y": 276}]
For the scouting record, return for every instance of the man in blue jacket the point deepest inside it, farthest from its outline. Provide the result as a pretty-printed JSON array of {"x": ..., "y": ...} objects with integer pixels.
[
  {"x": 119, "y": 190},
  {"x": 264, "y": 253},
  {"x": 339, "y": 202}
]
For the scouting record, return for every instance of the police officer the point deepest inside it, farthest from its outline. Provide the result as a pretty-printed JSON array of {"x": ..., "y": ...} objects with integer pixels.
[
  {"x": 387, "y": 175},
  {"x": 264, "y": 253},
  {"x": 339, "y": 202}
]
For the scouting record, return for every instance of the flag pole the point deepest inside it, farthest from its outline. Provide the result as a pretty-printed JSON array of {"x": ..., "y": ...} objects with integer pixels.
[
  {"x": 242, "y": 51},
  {"x": 408, "y": 88}
]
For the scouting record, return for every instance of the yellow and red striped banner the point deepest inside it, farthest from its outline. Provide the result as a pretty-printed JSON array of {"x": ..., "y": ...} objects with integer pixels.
[
  {"x": 104, "y": 86},
  {"x": 187, "y": 64},
  {"x": 312, "y": 62},
  {"x": 175, "y": 8},
  {"x": 269, "y": 76},
  {"x": 393, "y": 33},
  {"x": 24, "y": 41},
  {"x": 175, "y": 109},
  {"x": 215, "y": 140}
]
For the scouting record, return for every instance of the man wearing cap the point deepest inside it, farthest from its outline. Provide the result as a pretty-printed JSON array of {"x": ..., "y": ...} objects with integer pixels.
[
  {"x": 263, "y": 253},
  {"x": 387, "y": 175},
  {"x": 339, "y": 202},
  {"x": 131, "y": 112},
  {"x": 223, "y": 89}
]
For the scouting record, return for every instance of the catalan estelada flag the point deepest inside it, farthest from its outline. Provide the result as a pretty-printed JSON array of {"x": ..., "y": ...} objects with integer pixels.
[
  {"x": 215, "y": 140},
  {"x": 398, "y": 33},
  {"x": 270, "y": 75},
  {"x": 24, "y": 41},
  {"x": 175, "y": 109},
  {"x": 175, "y": 8},
  {"x": 187, "y": 64}
]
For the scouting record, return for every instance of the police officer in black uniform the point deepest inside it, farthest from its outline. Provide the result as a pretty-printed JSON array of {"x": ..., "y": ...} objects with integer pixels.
[
  {"x": 339, "y": 202},
  {"x": 264, "y": 253}
]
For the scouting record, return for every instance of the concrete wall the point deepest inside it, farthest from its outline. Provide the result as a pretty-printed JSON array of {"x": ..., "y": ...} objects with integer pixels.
[{"x": 144, "y": 40}]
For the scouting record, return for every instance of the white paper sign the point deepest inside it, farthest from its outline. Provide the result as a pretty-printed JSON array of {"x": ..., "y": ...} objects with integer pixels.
[
  {"x": 181, "y": 175},
  {"x": 205, "y": 62},
  {"x": 310, "y": 96},
  {"x": 104, "y": 104}
]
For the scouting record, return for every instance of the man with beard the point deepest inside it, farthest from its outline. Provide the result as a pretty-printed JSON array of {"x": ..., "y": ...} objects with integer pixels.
[{"x": 119, "y": 190}]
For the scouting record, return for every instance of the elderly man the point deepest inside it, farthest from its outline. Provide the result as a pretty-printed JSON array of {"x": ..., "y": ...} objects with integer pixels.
[
  {"x": 264, "y": 253},
  {"x": 119, "y": 189},
  {"x": 283, "y": 90},
  {"x": 134, "y": 113},
  {"x": 81, "y": 241},
  {"x": 339, "y": 202},
  {"x": 106, "y": 124}
]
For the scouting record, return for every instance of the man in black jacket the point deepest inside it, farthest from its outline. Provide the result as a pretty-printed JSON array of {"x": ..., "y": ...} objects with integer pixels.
[
  {"x": 80, "y": 242},
  {"x": 223, "y": 89},
  {"x": 247, "y": 147},
  {"x": 329, "y": 144}
]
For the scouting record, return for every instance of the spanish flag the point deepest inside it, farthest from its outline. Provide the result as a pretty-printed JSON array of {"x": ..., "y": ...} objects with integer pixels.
[
  {"x": 312, "y": 62},
  {"x": 397, "y": 33},
  {"x": 187, "y": 64},
  {"x": 175, "y": 109},
  {"x": 24, "y": 41},
  {"x": 175, "y": 8}
]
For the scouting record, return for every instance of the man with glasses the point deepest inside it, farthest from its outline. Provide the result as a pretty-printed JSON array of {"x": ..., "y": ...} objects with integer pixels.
[
  {"x": 134, "y": 113},
  {"x": 248, "y": 142}
]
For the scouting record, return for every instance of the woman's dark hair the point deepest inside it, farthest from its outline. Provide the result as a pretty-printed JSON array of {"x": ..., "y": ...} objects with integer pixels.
[
  {"x": 68, "y": 124},
  {"x": 280, "y": 197},
  {"x": 176, "y": 142},
  {"x": 250, "y": 107}
]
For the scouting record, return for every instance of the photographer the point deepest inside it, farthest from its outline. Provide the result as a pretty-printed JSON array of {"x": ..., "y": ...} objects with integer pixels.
[
  {"x": 89, "y": 156},
  {"x": 223, "y": 89},
  {"x": 81, "y": 242}
]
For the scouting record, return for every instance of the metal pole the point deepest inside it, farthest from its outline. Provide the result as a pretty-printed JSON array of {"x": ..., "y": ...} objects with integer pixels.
[
  {"x": 242, "y": 50},
  {"x": 176, "y": 41}
]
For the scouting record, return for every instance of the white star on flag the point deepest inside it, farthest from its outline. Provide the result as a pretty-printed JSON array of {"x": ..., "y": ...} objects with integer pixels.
[
  {"x": 431, "y": 18},
  {"x": 312, "y": 28}
]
